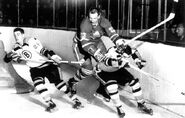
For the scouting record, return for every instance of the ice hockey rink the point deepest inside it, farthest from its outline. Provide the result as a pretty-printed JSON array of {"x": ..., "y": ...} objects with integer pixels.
[
  {"x": 31, "y": 105},
  {"x": 163, "y": 61}
]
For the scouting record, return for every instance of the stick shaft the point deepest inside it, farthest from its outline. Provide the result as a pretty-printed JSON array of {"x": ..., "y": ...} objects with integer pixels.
[
  {"x": 143, "y": 72},
  {"x": 41, "y": 61},
  {"x": 171, "y": 16},
  {"x": 139, "y": 70}
]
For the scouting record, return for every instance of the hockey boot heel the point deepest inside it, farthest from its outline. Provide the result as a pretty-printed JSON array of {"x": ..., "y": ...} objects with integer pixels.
[
  {"x": 145, "y": 109},
  {"x": 120, "y": 111},
  {"x": 51, "y": 106}
]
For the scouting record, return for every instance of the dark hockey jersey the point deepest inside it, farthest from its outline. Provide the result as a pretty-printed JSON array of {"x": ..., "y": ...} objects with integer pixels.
[{"x": 90, "y": 35}]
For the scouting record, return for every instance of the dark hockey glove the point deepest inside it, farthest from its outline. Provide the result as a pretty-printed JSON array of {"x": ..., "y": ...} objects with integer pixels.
[
  {"x": 140, "y": 63},
  {"x": 11, "y": 56}
]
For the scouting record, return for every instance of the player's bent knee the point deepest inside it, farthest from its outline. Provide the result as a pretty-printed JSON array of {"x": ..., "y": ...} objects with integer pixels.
[{"x": 112, "y": 88}]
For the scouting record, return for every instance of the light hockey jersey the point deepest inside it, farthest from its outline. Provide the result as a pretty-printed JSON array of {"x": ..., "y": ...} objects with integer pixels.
[{"x": 31, "y": 52}]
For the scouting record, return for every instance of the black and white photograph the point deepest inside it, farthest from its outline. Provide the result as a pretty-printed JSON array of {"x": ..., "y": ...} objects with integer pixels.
[{"x": 92, "y": 58}]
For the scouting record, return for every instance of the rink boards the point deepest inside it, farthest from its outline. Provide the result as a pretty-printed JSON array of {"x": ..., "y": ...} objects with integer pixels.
[{"x": 163, "y": 61}]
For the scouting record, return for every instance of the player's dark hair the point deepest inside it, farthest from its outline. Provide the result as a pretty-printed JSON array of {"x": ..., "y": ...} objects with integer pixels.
[
  {"x": 18, "y": 29},
  {"x": 93, "y": 10}
]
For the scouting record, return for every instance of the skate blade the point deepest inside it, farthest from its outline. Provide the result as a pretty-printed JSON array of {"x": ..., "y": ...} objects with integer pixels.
[
  {"x": 52, "y": 110},
  {"x": 78, "y": 107},
  {"x": 122, "y": 116},
  {"x": 144, "y": 112}
]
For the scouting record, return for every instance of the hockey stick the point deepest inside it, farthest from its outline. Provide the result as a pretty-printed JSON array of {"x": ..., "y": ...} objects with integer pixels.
[
  {"x": 139, "y": 70},
  {"x": 170, "y": 17},
  {"x": 51, "y": 61},
  {"x": 181, "y": 91},
  {"x": 143, "y": 72}
]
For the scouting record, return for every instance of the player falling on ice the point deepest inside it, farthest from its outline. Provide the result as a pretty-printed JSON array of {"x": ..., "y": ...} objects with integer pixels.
[{"x": 31, "y": 51}]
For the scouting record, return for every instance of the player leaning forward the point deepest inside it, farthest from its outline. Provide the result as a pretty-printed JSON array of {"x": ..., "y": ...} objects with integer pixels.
[
  {"x": 92, "y": 29},
  {"x": 29, "y": 49}
]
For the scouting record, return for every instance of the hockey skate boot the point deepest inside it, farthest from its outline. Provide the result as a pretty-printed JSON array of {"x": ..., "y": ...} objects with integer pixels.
[
  {"x": 77, "y": 104},
  {"x": 144, "y": 108},
  {"x": 120, "y": 111},
  {"x": 71, "y": 84},
  {"x": 51, "y": 106},
  {"x": 102, "y": 94}
]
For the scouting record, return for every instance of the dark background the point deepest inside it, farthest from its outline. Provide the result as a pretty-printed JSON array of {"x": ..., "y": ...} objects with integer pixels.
[{"x": 125, "y": 15}]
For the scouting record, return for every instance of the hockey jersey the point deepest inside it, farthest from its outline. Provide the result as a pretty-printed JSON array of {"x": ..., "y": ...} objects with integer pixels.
[
  {"x": 90, "y": 34},
  {"x": 31, "y": 52}
]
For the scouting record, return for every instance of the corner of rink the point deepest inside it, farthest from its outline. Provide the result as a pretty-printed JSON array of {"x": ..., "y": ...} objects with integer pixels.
[{"x": 166, "y": 63}]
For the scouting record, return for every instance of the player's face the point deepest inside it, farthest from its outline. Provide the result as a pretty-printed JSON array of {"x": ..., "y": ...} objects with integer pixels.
[
  {"x": 180, "y": 31},
  {"x": 94, "y": 18},
  {"x": 19, "y": 37}
]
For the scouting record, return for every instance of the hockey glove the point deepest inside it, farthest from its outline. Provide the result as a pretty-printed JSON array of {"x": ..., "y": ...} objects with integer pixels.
[
  {"x": 56, "y": 58},
  {"x": 12, "y": 56},
  {"x": 140, "y": 63}
]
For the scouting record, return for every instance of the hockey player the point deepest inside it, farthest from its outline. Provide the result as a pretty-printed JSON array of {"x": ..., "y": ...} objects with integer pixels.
[
  {"x": 91, "y": 45},
  {"x": 31, "y": 51},
  {"x": 92, "y": 28},
  {"x": 121, "y": 77},
  {"x": 116, "y": 74},
  {"x": 86, "y": 69}
]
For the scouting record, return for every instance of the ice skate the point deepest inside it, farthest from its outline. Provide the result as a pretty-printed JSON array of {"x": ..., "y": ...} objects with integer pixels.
[
  {"x": 144, "y": 108},
  {"x": 71, "y": 86},
  {"x": 77, "y": 104},
  {"x": 120, "y": 111},
  {"x": 51, "y": 106}
]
